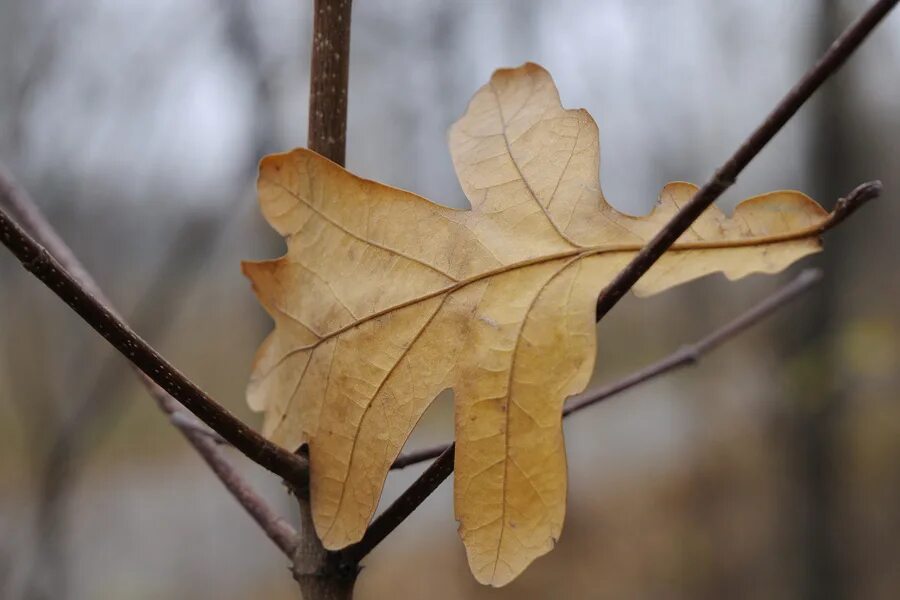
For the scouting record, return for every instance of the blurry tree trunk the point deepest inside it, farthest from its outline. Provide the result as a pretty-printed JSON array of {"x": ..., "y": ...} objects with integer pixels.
[{"x": 814, "y": 401}]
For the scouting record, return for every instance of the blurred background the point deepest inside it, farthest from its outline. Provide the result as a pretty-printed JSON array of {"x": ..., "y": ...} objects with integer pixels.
[{"x": 771, "y": 470}]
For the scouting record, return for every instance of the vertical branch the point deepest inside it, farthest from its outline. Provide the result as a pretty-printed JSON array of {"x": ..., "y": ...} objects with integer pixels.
[
  {"x": 318, "y": 572},
  {"x": 329, "y": 74}
]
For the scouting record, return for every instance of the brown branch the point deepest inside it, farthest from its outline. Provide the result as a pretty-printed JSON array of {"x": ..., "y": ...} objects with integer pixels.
[
  {"x": 436, "y": 473},
  {"x": 320, "y": 573},
  {"x": 101, "y": 318},
  {"x": 273, "y": 525},
  {"x": 692, "y": 353},
  {"x": 725, "y": 176},
  {"x": 17, "y": 202},
  {"x": 684, "y": 356},
  {"x": 329, "y": 78},
  {"x": 414, "y": 457}
]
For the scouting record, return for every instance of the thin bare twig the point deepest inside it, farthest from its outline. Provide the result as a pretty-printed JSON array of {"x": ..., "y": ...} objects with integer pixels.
[
  {"x": 329, "y": 75},
  {"x": 436, "y": 473},
  {"x": 320, "y": 573},
  {"x": 273, "y": 525},
  {"x": 687, "y": 355},
  {"x": 690, "y": 354},
  {"x": 101, "y": 318},
  {"x": 16, "y": 201},
  {"x": 684, "y": 356},
  {"x": 725, "y": 176},
  {"x": 414, "y": 457}
]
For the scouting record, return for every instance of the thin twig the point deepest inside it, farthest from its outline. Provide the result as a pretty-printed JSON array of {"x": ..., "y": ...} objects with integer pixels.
[
  {"x": 727, "y": 174},
  {"x": 414, "y": 457},
  {"x": 329, "y": 75},
  {"x": 436, "y": 473},
  {"x": 833, "y": 58},
  {"x": 185, "y": 420},
  {"x": 687, "y": 355},
  {"x": 273, "y": 525},
  {"x": 691, "y": 354},
  {"x": 684, "y": 356},
  {"x": 17, "y": 202},
  {"x": 321, "y": 574},
  {"x": 100, "y": 317}
]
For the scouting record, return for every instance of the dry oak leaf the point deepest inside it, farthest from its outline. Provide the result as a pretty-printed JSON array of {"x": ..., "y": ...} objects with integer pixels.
[{"x": 384, "y": 299}]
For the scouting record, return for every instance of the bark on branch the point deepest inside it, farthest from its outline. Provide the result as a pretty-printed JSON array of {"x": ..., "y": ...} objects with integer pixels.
[{"x": 320, "y": 573}]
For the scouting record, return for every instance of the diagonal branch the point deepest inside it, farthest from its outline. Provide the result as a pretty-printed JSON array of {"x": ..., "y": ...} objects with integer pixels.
[
  {"x": 686, "y": 355},
  {"x": 318, "y": 571},
  {"x": 725, "y": 176},
  {"x": 101, "y": 318},
  {"x": 19, "y": 204},
  {"x": 441, "y": 468}
]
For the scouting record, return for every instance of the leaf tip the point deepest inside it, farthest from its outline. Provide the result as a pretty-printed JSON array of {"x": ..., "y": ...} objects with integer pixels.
[{"x": 526, "y": 68}]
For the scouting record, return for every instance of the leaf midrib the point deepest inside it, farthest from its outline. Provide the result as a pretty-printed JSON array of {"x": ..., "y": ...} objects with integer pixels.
[{"x": 578, "y": 254}]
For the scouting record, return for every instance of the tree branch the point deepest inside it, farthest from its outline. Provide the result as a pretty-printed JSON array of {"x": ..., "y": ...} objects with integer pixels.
[
  {"x": 320, "y": 573},
  {"x": 101, "y": 318},
  {"x": 16, "y": 201},
  {"x": 684, "y": 356},
  {"x": 727, "y": 174},
  {"x": 724, "y": 177},
  {"x": 687, "y": 355},
  {"x": 385, "y": 523},
  {"x": 691, "y": 354}
]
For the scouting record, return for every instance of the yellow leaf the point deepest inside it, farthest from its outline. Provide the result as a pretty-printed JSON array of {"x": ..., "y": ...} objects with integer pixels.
[{"x": 385, "y": 298}]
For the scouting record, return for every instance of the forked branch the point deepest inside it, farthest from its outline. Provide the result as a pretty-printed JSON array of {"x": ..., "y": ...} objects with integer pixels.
[
  {"x": 37, "y": 260},
  {"x": 15, "y": 200},
  {"x": 90, "y": 305}
]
